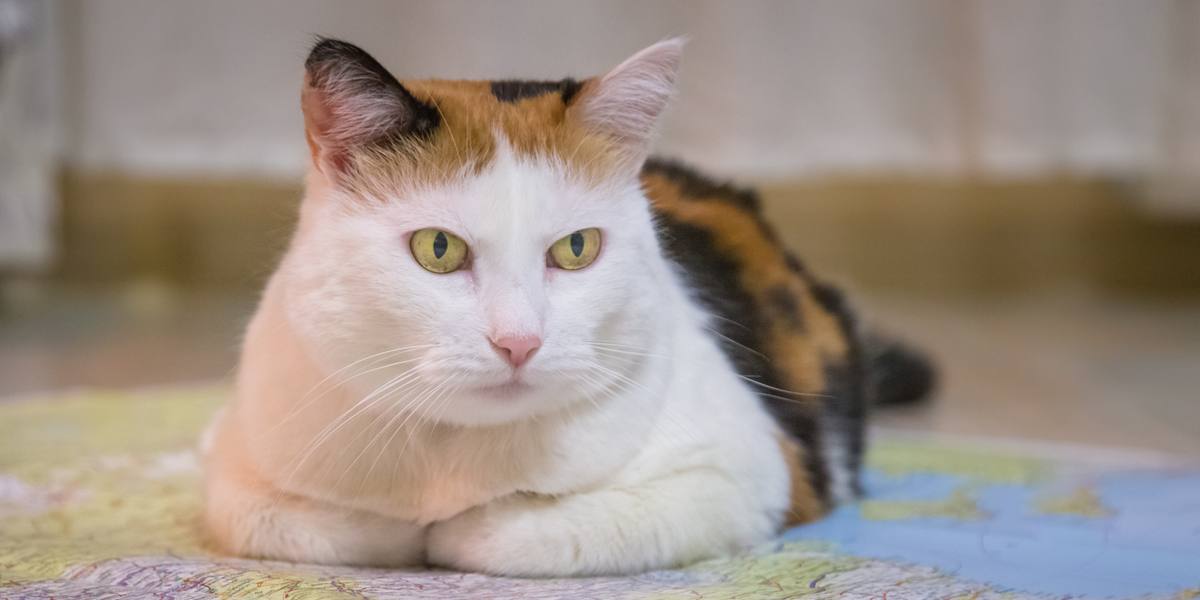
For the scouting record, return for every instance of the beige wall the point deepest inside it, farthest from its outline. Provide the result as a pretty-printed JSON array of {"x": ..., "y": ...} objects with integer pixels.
[
  {"x": 30, "y": 127},
  {"x": 770, "y": 88}
]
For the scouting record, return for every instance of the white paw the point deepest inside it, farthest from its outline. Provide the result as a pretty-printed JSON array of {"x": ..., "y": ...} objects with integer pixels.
[{"x": 517, "y": 536}]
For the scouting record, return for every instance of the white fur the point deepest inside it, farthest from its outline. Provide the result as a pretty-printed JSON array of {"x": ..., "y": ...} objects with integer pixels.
[
  {"x": 630, "y": 445},
  {"x": 835, "y": 449}
]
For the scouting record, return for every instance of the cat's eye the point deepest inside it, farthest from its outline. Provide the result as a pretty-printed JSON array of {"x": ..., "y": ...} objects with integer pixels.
[
  {"x": 438, "y": 251},
  {"x": 577, "y": 250}
]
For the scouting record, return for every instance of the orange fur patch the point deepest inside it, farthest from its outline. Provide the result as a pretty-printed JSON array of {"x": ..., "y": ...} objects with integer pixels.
[
  {"x": 805, "y": 505},
  {"x": 473, "y": 122},
  {"x": 800, "y": 355}
]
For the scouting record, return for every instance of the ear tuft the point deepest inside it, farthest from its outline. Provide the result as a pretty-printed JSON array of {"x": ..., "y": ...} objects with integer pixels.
[
  {"x": 626, "y": 102},
  {"x": 350, "y": 101}
]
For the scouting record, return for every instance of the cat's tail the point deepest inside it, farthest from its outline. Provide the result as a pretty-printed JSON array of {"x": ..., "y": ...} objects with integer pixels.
[{"x": 901, "y": 374}]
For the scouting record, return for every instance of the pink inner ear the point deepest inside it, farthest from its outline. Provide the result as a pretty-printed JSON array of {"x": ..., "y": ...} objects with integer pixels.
[
  {"x": 336, "y": 121},
  {"x": 318, "y": 120},
  {"x": 627, "y": 102}
]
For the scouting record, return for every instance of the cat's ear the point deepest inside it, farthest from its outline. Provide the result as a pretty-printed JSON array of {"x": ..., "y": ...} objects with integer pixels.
[
  {"x": 350, "y": 101},
  {"x": 626, "y": 102}
]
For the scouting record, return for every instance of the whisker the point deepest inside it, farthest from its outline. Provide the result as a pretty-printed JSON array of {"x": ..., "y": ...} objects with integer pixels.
[
  {"x": 602, "y": 347},
  {"x": 747, "y": 379},
  {"x": 441, "y": 405},
  {"x": 393, "y": 415},
  {"x": 737, "y": 343},
  {"x": 403, "y": 380},
  {"x": 625, "y": 384},
  {"x": 613, "y": 344},
  {"x": 588, "y": 379},
  {"x": 627, "y": 352},
  {"x": 730, "y": 321},
  {"x": 411, "y": 408},
  {"x": 364, "y": 359},
  {"x": 308, "y": 398},
  {"x": 619, "y": 375},
  {"x": 438, "y": 402},
  {"x": 784, "y": 398}
]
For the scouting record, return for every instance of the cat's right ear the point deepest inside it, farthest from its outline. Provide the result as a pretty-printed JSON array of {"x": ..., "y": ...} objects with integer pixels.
[{"x": 351, "y": 102}]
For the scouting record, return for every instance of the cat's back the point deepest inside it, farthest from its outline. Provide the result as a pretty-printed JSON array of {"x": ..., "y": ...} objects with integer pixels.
[{"x": 792, "y": 337}]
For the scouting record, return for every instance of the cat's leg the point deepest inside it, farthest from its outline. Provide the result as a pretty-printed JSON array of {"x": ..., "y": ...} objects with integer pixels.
[
  {"x": 247, "y": 518},
  {"x": 673, "y": 520}
]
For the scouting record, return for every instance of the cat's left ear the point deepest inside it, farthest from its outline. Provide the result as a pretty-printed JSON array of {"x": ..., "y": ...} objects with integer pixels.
[
  {"x": 351, "y": 102},
  {"x": 626, "y": 102}
]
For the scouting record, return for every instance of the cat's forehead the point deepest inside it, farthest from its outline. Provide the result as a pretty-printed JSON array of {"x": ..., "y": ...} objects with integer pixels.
[
  {"x": 530, "y": 118},
  {"x": 543, "y": 102}
]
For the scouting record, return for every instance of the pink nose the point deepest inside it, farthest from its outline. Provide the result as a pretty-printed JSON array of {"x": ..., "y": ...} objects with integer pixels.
[{"x": 517, "y": 350}]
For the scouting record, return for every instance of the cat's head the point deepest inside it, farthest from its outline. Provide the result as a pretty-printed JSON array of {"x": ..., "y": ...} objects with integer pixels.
[{"x": 483, "y": 248}]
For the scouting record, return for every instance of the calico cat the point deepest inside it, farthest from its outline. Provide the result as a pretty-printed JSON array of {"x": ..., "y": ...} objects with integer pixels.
[{"x": 502, "y": 340}]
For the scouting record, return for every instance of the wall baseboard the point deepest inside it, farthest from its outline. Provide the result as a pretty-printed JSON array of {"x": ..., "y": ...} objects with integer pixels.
[
  {"x": 195, "y": 231},
  {"x": 971, "y": 236},
  {"x": 921, "y": 236}
]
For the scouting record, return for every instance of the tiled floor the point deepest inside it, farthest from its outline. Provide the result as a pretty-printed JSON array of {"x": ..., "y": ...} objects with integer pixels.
[{"x": 1065, "y": 368}]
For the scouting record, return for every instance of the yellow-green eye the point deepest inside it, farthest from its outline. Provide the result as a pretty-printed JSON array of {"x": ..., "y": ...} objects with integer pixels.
[
  {"x": 438, "y": 251},
  {"x": 577, "y": 250}
]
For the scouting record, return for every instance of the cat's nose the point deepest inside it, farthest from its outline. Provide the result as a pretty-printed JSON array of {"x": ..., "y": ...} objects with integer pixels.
[{"x": 516, "y": 350}]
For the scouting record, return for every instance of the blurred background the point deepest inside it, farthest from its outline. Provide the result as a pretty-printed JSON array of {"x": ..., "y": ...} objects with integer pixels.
[{"x": 1014, "y": 184}]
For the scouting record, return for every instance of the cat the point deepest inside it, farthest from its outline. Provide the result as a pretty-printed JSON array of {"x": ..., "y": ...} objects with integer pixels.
[{"x": 505, "y": 340}]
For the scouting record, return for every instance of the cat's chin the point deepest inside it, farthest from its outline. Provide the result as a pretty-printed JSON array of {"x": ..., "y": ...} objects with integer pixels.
[
  {"x": 510, "y": 390},
  {"x": 502, "y": 403}
]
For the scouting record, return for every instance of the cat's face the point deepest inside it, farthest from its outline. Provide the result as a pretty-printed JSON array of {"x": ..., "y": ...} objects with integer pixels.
[{"x": 492, "y": 250}]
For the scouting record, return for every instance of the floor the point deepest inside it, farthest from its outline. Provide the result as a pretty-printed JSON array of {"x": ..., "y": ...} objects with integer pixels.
[
  {"x": 1063, "y": 367},
  {"x": 1066, "y": 368},
  {"x": 133, "y": 336}
]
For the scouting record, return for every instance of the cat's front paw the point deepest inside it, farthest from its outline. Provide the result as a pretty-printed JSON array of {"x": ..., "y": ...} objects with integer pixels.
[{"x": 518, "y": 536}]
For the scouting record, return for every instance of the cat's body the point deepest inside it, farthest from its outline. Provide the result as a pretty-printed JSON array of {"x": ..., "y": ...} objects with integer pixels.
[{"x": 684, "y": 396}]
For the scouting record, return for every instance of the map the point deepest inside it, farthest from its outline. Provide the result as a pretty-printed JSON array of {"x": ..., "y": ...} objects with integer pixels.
[{"x": 100, "y": 498}]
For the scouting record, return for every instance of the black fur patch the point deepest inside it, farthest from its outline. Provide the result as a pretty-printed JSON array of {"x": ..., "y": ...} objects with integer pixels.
[
  {"x": 847, "y": 382},
  {"x": 694, "y": 186},
  {"x": 329, "y": 57},
  {"x": 901, "y": 374},
  {"x": 697, "y": 186},
  {"x": 512, "y": 90},
  {"x": 795, "y": 265},
  {"x": 845, "y": 415},
  {"x": 714, "y": 279},
  {"x": 786, "y": 306},
  {"x": 833, "y": 301}
]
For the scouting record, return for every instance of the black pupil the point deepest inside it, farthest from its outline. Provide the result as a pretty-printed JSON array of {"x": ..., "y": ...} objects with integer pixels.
[
  {"x": 440, "y": 244},
  {"x": 577, "y": 244}
]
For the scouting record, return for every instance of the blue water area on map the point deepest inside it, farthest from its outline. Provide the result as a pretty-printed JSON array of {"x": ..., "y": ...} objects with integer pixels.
[{"x": 1149, "y": 544}]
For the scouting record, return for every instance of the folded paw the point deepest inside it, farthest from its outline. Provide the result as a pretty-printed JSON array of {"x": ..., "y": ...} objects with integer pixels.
[{"x": 519, "y": 535}]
